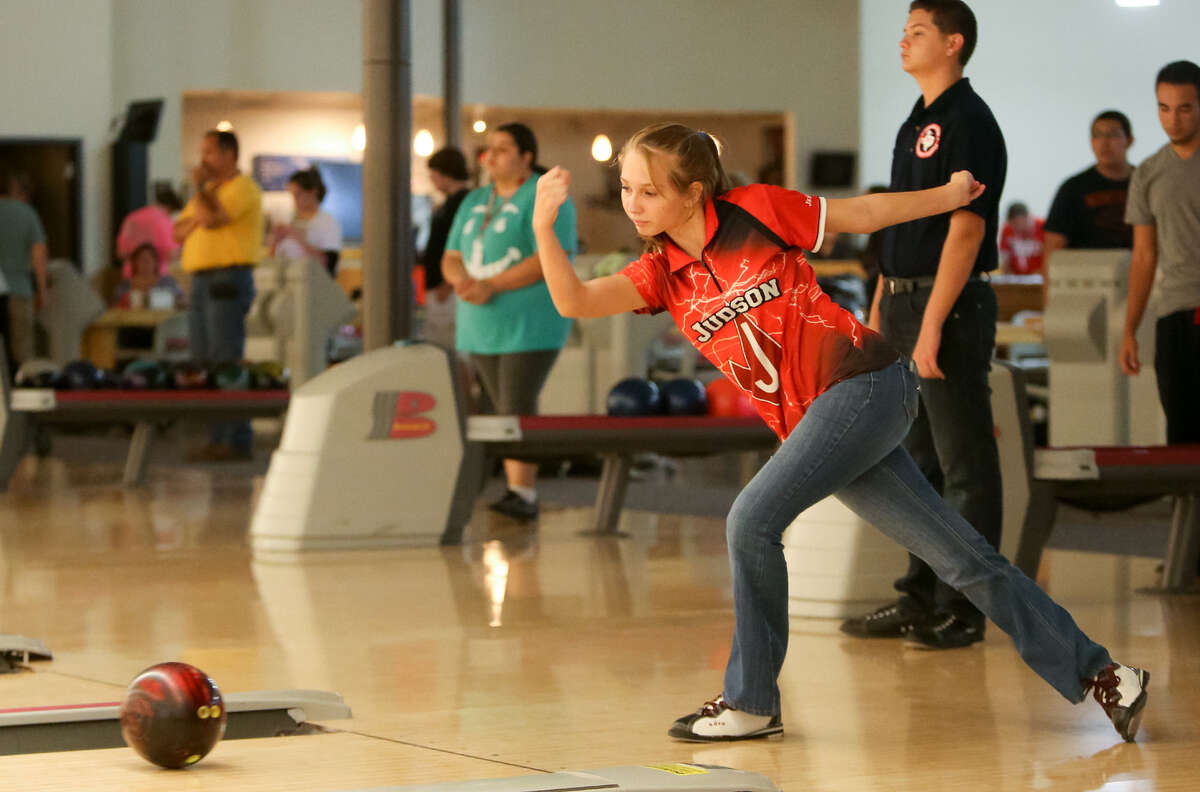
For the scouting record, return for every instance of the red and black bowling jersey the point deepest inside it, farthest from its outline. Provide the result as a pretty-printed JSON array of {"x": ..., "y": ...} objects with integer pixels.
[{"x": 752, "y": 305}]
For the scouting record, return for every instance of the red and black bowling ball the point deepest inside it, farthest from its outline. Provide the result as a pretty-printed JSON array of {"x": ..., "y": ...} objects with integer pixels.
[
  {"x": 684, "y": 396},
  {"x": 172, "y": 715},
  {"x": 190, "y": 375},
  {"x": 634, "y": 396}
]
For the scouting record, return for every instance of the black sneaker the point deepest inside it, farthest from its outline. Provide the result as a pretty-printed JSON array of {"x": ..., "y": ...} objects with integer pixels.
[
  {"x": 716, "y": 721},
  {"x": 948, "y": 632},
  {"x": 514, "y": 506},
  {"x": 1121, "y": 691},
  {"x": 895, "y": 620}
]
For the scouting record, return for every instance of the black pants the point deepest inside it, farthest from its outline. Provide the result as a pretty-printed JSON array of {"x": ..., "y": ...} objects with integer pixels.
[
  {"x": 514, "y": 381},
  {"x": 1177, "y": 368},
  {"x": 953, "y": 439},
  {"x": 6, "y": 336}
]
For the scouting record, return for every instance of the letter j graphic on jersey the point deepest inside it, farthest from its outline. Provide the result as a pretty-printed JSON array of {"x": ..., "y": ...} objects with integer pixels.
[{"x": 759, "y": 375}]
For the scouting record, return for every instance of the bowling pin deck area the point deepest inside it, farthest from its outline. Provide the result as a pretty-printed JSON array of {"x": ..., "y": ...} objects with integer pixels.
[{"x": 527, "y": 652}]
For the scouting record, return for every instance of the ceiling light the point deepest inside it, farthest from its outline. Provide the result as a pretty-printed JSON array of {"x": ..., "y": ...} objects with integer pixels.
[
  {"x": 423, "y": 143},
  {"x": 602, "y": 148}
]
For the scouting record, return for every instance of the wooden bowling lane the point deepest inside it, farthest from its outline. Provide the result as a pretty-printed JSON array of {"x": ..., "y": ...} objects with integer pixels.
[
  {"x": 339, "y": 761},
  {"x": 542, "y": 649},
  {"x": 562, "y": 682},
  {"x": 858, "y": 716},
  {"x": 42, "y": 687}
]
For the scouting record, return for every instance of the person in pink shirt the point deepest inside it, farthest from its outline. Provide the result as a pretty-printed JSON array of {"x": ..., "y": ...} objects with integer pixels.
[{"x": 150, "y": 225}]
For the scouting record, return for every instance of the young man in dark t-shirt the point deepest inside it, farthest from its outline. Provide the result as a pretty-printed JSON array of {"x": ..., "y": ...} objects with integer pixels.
[
  {"x": 934, "y": 302},
  {"x": 1088, "y": 212}
]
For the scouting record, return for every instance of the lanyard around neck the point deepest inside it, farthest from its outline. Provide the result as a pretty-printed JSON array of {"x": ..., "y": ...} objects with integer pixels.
[{"x": 491, "y": 205}]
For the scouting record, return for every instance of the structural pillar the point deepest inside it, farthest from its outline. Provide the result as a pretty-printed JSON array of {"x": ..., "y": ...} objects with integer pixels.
[{"x": 387, "y": 172}]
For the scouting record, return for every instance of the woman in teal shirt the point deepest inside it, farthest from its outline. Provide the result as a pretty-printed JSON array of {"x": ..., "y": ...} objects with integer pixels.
[{"x": 505, "y": 319}]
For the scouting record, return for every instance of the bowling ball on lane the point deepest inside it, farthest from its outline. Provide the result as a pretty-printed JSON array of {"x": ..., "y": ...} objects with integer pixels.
[
  {"x": 172, "y": 715},
  {"x": 634, "y": 396},
  {"x": 231, "y": 376},
  {"x": 684, "y": 397},
  {"x": 38, "y": 373},
  {"x": 144, "y": 375},
  {"x": 79, "y": 375},
  {"x": 727, "y": 400},
  {"x": 190, "y": 375}
]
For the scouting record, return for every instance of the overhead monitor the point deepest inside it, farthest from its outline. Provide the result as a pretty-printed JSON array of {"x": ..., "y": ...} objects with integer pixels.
[{"x": 141, "y": 121}]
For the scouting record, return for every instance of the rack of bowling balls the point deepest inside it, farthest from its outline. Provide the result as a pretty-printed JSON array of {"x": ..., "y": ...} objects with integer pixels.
[
  {"x": 637, "y": 396},
  {"x": 147, "y": 374}
]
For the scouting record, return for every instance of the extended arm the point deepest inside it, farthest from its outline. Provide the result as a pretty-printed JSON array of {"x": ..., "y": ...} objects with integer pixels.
[{"x": 866, "y": 214}]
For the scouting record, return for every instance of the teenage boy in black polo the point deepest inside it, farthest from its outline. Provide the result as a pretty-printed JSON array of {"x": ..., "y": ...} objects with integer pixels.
[{"x": 935, "y": 304}]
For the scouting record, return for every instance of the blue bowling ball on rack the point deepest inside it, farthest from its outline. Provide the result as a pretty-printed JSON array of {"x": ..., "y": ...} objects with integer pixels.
[
  {"x": 684, "y": 396},
  {"x": 634, "y": 396},
  {"x": 79, "y": 375},
  {"x": 108, "y": 380}
]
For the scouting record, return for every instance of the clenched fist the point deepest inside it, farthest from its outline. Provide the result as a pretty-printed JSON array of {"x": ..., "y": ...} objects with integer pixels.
[
  {"x": 966, "y": 187},
  {"x": 552, "y": 190}
]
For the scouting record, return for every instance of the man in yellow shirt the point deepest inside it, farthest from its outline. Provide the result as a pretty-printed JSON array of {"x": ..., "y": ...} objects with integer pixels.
[{"x": 221, "y": 230}]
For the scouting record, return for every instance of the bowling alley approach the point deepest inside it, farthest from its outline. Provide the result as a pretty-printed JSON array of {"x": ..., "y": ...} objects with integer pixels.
[{"x": 550, "y": 395}]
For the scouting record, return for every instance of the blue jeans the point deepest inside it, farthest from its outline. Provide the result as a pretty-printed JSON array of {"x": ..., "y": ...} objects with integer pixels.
[
  {"x": 220, "y": 300},
  {"x": 849, "y": 443}
]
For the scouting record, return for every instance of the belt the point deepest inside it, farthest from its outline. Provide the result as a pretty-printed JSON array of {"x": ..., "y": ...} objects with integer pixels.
[{"x": 903, "y": 285}]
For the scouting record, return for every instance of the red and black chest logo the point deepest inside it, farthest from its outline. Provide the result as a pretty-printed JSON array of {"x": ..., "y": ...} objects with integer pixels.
[{"x": 929, "y": 140}]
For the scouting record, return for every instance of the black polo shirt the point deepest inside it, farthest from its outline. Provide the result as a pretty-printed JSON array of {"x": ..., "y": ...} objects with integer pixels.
[{"x": 956, "y": 132}]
